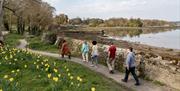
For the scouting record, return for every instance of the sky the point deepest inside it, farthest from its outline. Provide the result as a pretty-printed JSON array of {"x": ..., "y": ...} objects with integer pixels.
[{"x": 145, "y": 9}]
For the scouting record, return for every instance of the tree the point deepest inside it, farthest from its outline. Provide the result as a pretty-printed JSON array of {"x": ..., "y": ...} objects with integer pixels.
[
  {"x": 1, "y": 19},
  {"x": 76, "y": 21},
  {"x": 35, "y": 14},
  {"x": 61, "y": 19}
]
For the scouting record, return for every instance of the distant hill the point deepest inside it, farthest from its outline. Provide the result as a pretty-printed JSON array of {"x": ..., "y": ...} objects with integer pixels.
[{"x": 177, "y": 23}]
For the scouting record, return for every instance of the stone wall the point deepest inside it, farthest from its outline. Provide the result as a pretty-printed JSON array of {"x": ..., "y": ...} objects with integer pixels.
[{"x": 149, "y": 67}]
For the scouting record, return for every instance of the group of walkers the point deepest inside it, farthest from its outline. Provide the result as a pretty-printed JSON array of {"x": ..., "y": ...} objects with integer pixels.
[{"x": 85, "y": 50}]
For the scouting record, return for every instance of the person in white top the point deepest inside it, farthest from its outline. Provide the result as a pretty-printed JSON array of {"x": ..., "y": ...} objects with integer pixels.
[{"x": 94, "y": 54}]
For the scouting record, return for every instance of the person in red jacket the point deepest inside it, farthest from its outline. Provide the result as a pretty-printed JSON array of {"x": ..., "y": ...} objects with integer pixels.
[
  {"x": 65, "y": 49},
  {"x": 111, "y": 58}
]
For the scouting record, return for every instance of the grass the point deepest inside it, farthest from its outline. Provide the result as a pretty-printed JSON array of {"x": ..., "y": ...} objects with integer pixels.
[
  {"x": 21, "y": 70},
  {"x": 36, "y": 44},
  {"x": 12, "y": 39}
]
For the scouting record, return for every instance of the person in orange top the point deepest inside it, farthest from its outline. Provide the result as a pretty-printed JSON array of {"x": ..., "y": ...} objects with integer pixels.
[{"x": 65, "y": 49}]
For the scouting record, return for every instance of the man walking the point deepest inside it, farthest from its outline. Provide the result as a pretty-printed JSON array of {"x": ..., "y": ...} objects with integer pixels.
[
  {"x": 130, "y": 66},
  {"x": 111, "y": 58}
]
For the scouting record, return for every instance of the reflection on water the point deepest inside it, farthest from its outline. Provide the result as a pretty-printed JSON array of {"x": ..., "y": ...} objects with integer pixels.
[
  {"x": 118, "y": 32},
  {"x": 164, "y": 38}
]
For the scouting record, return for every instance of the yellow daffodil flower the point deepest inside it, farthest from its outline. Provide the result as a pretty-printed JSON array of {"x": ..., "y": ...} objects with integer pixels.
[
  {"x": 93, "y": 89},
  {"x": 6, "y": 76},
  {"x": 49, "y": 75},
  {"x": 11, "y": 79},
  {"x": 55, "y": 70},
  {"x": 55, "y": 79}
]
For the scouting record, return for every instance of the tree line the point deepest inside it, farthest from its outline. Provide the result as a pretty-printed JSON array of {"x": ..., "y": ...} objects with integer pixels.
[
  {"x": 36, "y": 16},
  {"x": 112, "y": 22},
  {"x": 20, "y": 15}
]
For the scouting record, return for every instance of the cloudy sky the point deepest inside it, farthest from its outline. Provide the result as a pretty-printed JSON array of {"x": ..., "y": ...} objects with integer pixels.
[{"x": 147, "y": 9}]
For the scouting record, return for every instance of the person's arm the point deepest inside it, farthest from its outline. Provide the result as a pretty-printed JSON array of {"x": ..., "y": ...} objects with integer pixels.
[
  {"x": 92, "y": 50},
  {"x": 128, "y": 59},
  {"x": 109, "y": 52},
  {"x": 82, "y": 49},
  {"x": 62, "y": 47}
]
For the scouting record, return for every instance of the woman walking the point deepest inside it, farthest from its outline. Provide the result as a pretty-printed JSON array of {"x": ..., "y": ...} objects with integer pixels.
[
  {"x": 85, "y": 51},
  {"x": 94, "y": 54},
  {"x": 65, "y": 50}
]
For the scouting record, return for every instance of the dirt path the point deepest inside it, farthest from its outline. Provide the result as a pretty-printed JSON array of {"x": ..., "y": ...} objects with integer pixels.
[{"x": 145, "y": 85}]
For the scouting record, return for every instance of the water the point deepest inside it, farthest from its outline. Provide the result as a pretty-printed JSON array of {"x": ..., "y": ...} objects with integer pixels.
[{"x": 166, "y": 39}]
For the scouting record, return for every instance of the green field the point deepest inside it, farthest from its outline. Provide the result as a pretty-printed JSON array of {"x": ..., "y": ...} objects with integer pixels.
[{"x": 21, "y": 70}]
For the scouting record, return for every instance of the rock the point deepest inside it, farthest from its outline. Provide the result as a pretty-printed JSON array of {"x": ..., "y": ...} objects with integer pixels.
[{"x": 173, "y": 68}]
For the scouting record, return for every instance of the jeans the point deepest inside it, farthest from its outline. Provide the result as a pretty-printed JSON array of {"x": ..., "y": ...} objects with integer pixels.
[
  {"x": 94, "y": 60},
  {"x": 110, "y": 63},
  {"x": 132, "y": 71}
]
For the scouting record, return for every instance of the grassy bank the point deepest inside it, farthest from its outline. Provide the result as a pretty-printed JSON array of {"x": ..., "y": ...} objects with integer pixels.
[
  {"x": 25, "y": 71},
  {"x": 12, "y": 39},
  {"x": 36, "y": 44}
]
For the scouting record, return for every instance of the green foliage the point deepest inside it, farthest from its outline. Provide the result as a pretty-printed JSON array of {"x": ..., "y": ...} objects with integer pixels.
[
  {"x": 61, "y": 19},
  {"x": 36, "y": 44},
  {"x": 12, "y": 39},
  {"x": 75, "y": 21}
]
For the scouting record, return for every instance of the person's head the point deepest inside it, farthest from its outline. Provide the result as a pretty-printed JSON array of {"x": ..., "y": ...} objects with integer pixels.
[
  {"x": 94, "y": 42},
  {"x": 130, "y": 49},
  {"x": 85, "y": 42},
  {"x": 64, "y": 41},
  {"x": 111, "y": 43}
]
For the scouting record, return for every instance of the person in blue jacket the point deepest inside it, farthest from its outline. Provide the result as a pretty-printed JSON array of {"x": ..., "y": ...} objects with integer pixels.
[
  {"x": 85, "y": 51},
  {"x": 130, "y": 66}
]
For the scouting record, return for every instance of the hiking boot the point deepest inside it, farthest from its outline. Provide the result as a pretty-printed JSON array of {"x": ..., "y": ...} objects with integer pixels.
[
  {"x": 137, "y": 84},
  {"x": 111, "y": 72},
  {"x": 123, "y": 80},
  {"x": 69, "y": 57}
]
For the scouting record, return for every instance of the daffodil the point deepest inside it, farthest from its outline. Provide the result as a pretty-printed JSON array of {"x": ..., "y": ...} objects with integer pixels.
[
  {"x": 1, "y": 90},
  {"x": 37, "y": 66},
  {"x": 78, "y": 78},
  {"x": 55, "y": 70},
  {"x": 69, "y": 74},
  {"x": 11, "y": 79},
  {"x": 12, "y": 71},
  {"x": 67, "y": 70},
  {"x": 25, "y": 66},
  {"x": 55, "y": 79},
  {"x": 49, "y": 75},
  {"x": 11, "y": 56},
  {"x": 15, "y": 59},
  {"x": 6, "y": 76},
  {"x": 59, "y": 75},
  {"x": 72, "y": 83},
  {"x": 71, "y": 77},
  {"x": 93, "y": 89},
  {"x": 46, "y": 69}
]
